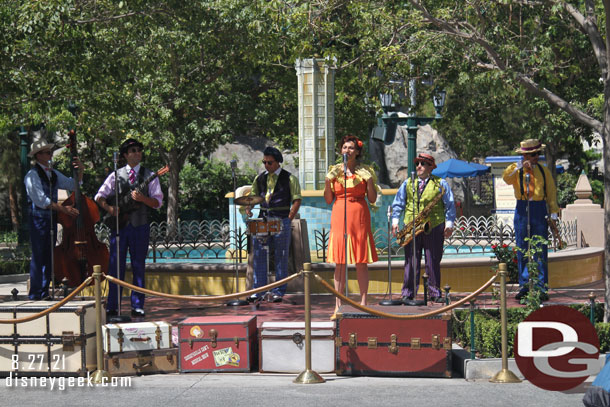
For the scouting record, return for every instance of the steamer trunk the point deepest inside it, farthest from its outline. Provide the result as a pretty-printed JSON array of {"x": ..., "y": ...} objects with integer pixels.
[
  {"x": 368, "y": 345},
  {"x": 62, "y": 343},
  {"x": 217, "y": 344}
]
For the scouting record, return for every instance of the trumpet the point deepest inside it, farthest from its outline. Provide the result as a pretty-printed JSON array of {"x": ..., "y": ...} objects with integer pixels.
[{"x": 422, "y": 223}]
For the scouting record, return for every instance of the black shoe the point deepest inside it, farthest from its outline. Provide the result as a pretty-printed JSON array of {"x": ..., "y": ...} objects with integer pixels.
[
  {"x": 111, "y": 313},
  {"x": 137, "y": 312},
  {"x": 406, "y": 298},
  {"x": 544, "y": 296},
  {"x": 253, "y": 298},
  {"x": 439, "y": 299},
  {"x": 521, "y": 294},
  {"x": 276, "y": 298}
]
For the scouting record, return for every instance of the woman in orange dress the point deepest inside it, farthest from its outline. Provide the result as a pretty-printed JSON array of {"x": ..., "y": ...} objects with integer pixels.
[{"x": 351, "y": 189}]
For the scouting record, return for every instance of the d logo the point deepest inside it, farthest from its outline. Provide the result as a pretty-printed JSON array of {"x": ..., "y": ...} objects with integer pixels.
[{"x": 556, "y": 348}]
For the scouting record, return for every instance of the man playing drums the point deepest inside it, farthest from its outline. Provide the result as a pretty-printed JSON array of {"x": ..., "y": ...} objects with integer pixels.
[{"x": 281, "y": 196}]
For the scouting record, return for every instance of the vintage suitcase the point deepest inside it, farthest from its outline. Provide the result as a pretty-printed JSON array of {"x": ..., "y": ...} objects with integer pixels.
[
  {"x": 133, "y": 336},
  {"x": 368, "y": 345},
  {"x": 141, "y": 362},
  {"x": 282, "y": 347},
  {"x": 217, "y": 344},
  {"x": 61, "y": 343}
]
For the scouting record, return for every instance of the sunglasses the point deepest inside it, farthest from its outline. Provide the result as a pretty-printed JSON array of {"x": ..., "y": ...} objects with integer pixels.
[
  {"x": 134, "y": 150},
  {"x": 536, "y": 154},
  {"x": 45, "y": 152},
  {"x": 268, "y": 162},
  {"x": 422, "y": 163}
]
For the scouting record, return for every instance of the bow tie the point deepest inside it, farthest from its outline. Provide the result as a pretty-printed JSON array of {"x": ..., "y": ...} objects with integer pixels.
[{"x": 47, "y": 169}]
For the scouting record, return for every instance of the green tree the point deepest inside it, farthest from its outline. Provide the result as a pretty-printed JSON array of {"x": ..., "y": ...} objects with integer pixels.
[{"x": 554, "y": 49}]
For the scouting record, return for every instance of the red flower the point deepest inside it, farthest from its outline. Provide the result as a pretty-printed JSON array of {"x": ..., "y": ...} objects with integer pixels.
[
  {"x": 515, "y": 260},
  {"x": 359, "y": 143},
  {"x": 504, "y": 246},
  {"x": 493, "y": 246}
]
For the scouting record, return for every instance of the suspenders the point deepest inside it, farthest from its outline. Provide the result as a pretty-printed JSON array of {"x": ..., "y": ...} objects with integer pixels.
[{"x": 543, "y": 180}]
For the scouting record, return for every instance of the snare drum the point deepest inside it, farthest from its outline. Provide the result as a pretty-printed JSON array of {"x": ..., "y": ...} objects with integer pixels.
[{"x": 259, "y": 226}]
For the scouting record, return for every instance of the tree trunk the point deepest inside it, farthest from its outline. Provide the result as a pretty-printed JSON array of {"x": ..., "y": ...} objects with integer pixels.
[
  {"x": 606, "y": 154},
  {"x": 172, "y": 191},
  {"x": 14, "y": 206}
]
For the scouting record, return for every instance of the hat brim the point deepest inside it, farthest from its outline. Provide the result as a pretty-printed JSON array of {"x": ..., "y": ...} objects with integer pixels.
[
  {"x": 529, "y": 151},
  {"x": 417, "y": 159},
  {"x": 40, "y": 148}
]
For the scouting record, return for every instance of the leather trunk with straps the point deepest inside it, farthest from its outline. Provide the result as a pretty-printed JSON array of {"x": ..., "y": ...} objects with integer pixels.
[
  {"x": 59, "y": 344},
  {"x": 368, "y": 345},
  {"x": 134, "y": 336},
  {"x": 282, "y": 347},
  {"x": 217, "y": 344},
  {"x": 141, "y": 362}
]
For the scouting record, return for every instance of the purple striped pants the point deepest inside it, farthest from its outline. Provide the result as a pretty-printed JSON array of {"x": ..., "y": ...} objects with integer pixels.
[{"x": 432, "y": 244}]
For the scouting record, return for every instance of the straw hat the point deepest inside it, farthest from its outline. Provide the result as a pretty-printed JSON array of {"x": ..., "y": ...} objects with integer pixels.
[
  {"x": 39, "y": 145},
  {"x": 530, "y": 146},
  {"x": 425, "y": 158}
]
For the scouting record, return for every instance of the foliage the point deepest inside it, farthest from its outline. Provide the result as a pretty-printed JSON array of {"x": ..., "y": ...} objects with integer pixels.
[
  {"x": 507, "y": 254},
  {"x": 206, "y": 196},
  {"x": 488, "y": 329}
]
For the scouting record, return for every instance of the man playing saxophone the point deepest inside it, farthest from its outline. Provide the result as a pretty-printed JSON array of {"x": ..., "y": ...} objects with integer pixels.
[{"x": 438, "y": 214}]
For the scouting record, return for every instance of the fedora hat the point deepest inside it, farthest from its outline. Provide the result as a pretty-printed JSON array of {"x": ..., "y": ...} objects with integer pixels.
[
  {"x": 39, "y": 145},
  {"x": 530, "y": 146},
  {"x": 427, "y": 158}
]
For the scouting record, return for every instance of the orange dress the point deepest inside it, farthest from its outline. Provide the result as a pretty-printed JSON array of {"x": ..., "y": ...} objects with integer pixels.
[{"x": 360, "y": 242}]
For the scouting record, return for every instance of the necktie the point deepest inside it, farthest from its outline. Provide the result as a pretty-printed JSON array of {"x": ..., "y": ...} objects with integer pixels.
[
  {"x": 270, "y": 187},
  {"x": 422, "y": 185},
  {"x": 132, "y": 176}
]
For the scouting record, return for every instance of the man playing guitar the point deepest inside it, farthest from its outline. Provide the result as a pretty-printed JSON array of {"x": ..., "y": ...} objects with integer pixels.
[{"x": 135, "y": 234}]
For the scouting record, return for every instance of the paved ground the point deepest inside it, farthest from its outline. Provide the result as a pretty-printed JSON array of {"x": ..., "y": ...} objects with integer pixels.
[{"x": 279, "y": 390}]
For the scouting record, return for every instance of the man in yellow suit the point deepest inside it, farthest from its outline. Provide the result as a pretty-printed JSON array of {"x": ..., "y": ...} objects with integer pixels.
[{"x": 535, "y": 191}]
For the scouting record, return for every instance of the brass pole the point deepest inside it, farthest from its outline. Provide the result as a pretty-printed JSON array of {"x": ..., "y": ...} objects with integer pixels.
[
  {"x": 504, "y": 375},
  {"x": 308, "y": 376},
  {"x": 100, "y": 375}
]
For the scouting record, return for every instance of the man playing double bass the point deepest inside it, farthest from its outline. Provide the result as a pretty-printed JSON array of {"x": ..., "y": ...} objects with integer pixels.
[
  {"x": 41, "y": 185},
  {"x": 135, "y": 234}
]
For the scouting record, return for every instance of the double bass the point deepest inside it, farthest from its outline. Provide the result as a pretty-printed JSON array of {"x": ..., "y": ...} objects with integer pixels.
[{"x": 80, "y": 249}]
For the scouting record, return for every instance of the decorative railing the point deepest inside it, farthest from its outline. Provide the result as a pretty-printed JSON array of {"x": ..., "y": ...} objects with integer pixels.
[
  {"x": 471, "y": 236},
  {"x": 214, "y": 241},
  {"x": 193, "y": 240}
]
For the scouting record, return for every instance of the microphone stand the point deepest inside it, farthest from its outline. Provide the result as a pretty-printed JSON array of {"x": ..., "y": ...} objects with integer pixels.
[
  {"x": 390, "y": 301},
  {"x": 237, "y": 301},
  {"x": 52, "y": 232},
  {"x": 414, "y": 302},
  {"x": 345, "y": 221},
  {"x": 529, "y": 231},
  {"x": 118, "y": 317}
]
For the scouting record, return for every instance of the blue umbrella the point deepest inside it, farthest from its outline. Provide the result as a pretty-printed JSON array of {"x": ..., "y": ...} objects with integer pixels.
[{"x": 454, "y": 168}]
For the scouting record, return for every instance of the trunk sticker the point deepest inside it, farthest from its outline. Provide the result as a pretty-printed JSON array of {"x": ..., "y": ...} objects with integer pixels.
[
  {"x": 196, "y": 355},
  {"x": 226, "y": 356},
  {"x": 196, "y": 331}
]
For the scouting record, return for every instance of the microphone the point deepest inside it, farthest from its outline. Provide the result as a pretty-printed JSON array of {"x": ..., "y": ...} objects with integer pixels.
[
  {"x": 233, "y": 164},
  {"x": 344, "y": 162},
  {"x": 389, "y": 212},
  {"x": 115, "y": 157}
]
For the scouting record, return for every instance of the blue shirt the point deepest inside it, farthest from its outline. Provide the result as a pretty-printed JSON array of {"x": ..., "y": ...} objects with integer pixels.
[
  {"x": 33, "y": 186},
  {"x": 398, "y": 205}
]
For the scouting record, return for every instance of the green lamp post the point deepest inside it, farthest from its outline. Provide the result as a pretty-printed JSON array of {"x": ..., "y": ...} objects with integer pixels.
[
  {"x": 23, "y": 235},
  {"x": 391, "y": 119}
]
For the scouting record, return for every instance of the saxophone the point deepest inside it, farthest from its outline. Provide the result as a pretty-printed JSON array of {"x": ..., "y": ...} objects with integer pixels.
[
  {"x": 560, "y": 244},
  {"x": 422, "y": 223}
]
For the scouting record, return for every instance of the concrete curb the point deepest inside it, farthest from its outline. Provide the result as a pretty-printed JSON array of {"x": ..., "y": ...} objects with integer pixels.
[
  {"x": 485, "y": 369},
  {"x": 14, "y": 278}
]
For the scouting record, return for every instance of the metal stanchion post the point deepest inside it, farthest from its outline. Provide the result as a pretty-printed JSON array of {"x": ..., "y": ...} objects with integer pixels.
[
  {"x": 308, "y": 376},
  {"x": 592, "y": 308},
  {"x": 100, "y": 373},
  {"x": 473, "y": 350},
  {"x": 504, "y": 375}
]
